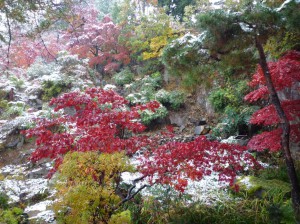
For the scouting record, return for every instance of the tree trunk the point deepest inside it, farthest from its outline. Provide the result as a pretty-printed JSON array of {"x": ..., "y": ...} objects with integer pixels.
[{"x": 285, "y": 125}]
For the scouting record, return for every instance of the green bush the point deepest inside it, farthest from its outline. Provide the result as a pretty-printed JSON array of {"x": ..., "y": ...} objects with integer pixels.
[
  {"x": 232, "y": 95},
  {"x": 53, "y": 89},
  {"x": 279, "y": 171},
  {"x": 13, "y": 109},
  {"x": 17, "y": 82},
  {"x": 11, "y": 216},
  {"x": 148, "y": 116},
  {"x": 176, "y": 99},
  {"x": 123, "y": 77},
  {"x": 234, "y": 121},
  {"x": 221, "y": 98},
  {"x": 3, "y": 201},
  {"x": 87, "y": 185},
  {"x": 173, "y": 99}
]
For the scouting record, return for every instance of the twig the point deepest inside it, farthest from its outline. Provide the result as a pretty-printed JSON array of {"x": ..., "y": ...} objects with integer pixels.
[{"x": 9, "y": 37}]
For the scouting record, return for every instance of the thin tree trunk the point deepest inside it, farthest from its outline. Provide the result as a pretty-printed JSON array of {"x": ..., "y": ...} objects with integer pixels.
[{"x": 285, "y": 125}]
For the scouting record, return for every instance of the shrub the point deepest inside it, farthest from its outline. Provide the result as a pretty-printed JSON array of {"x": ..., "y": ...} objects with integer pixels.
[
  {"x": 14, "y": 109},
  {"x": 221, "y": 98},
  {"x": 121, "y": 218},
  {"x": 53, "y": 89},
  {"x": 40, "y": 68},
  {"x": 172, "y": 99},
  {"x": 3, "y": 201},
  {"x": 235, "y": 121},
  {"x": 148, "y": 116},
  {"x": 87, "y": 184},
  {"x": 17, "y": 82},
  {"x": 123, "y": 77},
  {"x": 11, "y": 216},
  {"x": 176, "y": 99}
]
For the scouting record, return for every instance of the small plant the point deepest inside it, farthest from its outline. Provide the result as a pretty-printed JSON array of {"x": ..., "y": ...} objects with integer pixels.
[
  {"x": 53, "y": 89},
  {"x": 137, "y": 98},
  {"x": 40, "y": 68},
  {"x": 17, "y": 82},
  {"x": 149, "y": 116},
  {"x": 14, "y": 109},
  {"x": 172, "y": 99},
  {"x": 123, "y": 77},
  {"x": 87, "y": 183},
  {"x": 9, "y": 215}
]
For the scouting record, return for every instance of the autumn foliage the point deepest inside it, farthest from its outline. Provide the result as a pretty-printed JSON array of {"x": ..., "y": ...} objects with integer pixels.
[
  {"x": 175, "y": 162},
  {"x": 285, "y": 73},
  {"x": 96, "y": 40},
  {"x": 99, "y": 123},
  {"x": 103, "y": 121}
]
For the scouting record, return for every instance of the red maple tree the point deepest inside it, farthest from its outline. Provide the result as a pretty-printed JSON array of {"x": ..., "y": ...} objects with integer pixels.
[
  {"x": 103, "y": 121},
  {"x": 98, "y": 123},
  {"x": 96, "y": 40},
  {"x": 284, "y": 73},
  {"x": 175, "y": 162}
]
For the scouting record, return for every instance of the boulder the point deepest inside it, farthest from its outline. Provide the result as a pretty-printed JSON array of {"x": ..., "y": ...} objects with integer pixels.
[
  {"x": 239, "y": 140},
  {"x": 10, "y": 133},
  {"x": 177, "y": 119},
  {"x": 202, "y": 130},
  {"x": 34, "y": 94}
]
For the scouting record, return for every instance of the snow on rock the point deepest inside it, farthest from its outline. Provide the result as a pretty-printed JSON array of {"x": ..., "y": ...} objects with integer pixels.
[
  {"x": 26, "y": 184},
  {"x": 109, "y": 87},
  {"x": 40, "y": 212},
  {"x": 41, "y": 206},
  {"x": 20, "y": 190},
  {"x": 47, "y": 216},
  {"x": 10, "y": 128}
]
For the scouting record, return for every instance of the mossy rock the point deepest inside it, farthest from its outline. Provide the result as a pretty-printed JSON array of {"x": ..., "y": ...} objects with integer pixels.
[{"x": 256, "y": 187}]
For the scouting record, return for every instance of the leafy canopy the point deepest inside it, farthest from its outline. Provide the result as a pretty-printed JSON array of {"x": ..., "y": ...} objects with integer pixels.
[{"x": 285, "y": 74}]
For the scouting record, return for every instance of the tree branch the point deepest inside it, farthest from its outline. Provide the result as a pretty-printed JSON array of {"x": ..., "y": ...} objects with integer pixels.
[{"x": 9, "y": 38}]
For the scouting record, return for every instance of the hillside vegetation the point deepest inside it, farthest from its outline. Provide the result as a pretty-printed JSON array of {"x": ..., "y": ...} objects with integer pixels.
[{"x": 150, "y": 111}]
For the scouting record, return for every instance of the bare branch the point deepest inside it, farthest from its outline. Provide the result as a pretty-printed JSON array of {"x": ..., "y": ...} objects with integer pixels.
[{"x": 9, "y": 37}]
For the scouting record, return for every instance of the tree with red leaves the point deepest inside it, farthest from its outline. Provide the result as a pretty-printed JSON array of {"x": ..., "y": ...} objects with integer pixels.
[
  {"x": 96, "y": 40},
  {"x": 282, "y": 114},
  {"x": 102, "y": 121},
  {"x": 175, "y": 163}
]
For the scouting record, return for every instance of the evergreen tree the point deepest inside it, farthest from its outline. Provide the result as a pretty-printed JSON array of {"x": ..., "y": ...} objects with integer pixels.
[{"x": 249, "y": 26}]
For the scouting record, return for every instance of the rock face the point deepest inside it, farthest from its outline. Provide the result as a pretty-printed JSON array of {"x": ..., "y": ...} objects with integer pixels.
[
  {"x": 10, "y": 133},
  {"x": 178, "y": 120},
  {"x": 27, "y": 185},
  {"x": 202, "y": 100}
]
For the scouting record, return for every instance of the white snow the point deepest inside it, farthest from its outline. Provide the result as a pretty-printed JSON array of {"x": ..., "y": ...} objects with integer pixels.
[{"x": 41, "y": 206}]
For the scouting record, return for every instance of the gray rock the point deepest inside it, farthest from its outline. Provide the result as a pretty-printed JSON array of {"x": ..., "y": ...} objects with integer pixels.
[
  {"x": 239, "y": 140},
  {"x": 198, "y": 130},
  {"x": 177, "y": 119},
  {"x": 9, "y": 133},
  {"x": 202, "y": 99},
  {"x": 202, "y": 130}
]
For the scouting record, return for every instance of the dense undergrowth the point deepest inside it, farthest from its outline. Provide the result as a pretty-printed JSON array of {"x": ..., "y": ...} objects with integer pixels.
[{"x": 155, "y": 61}]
